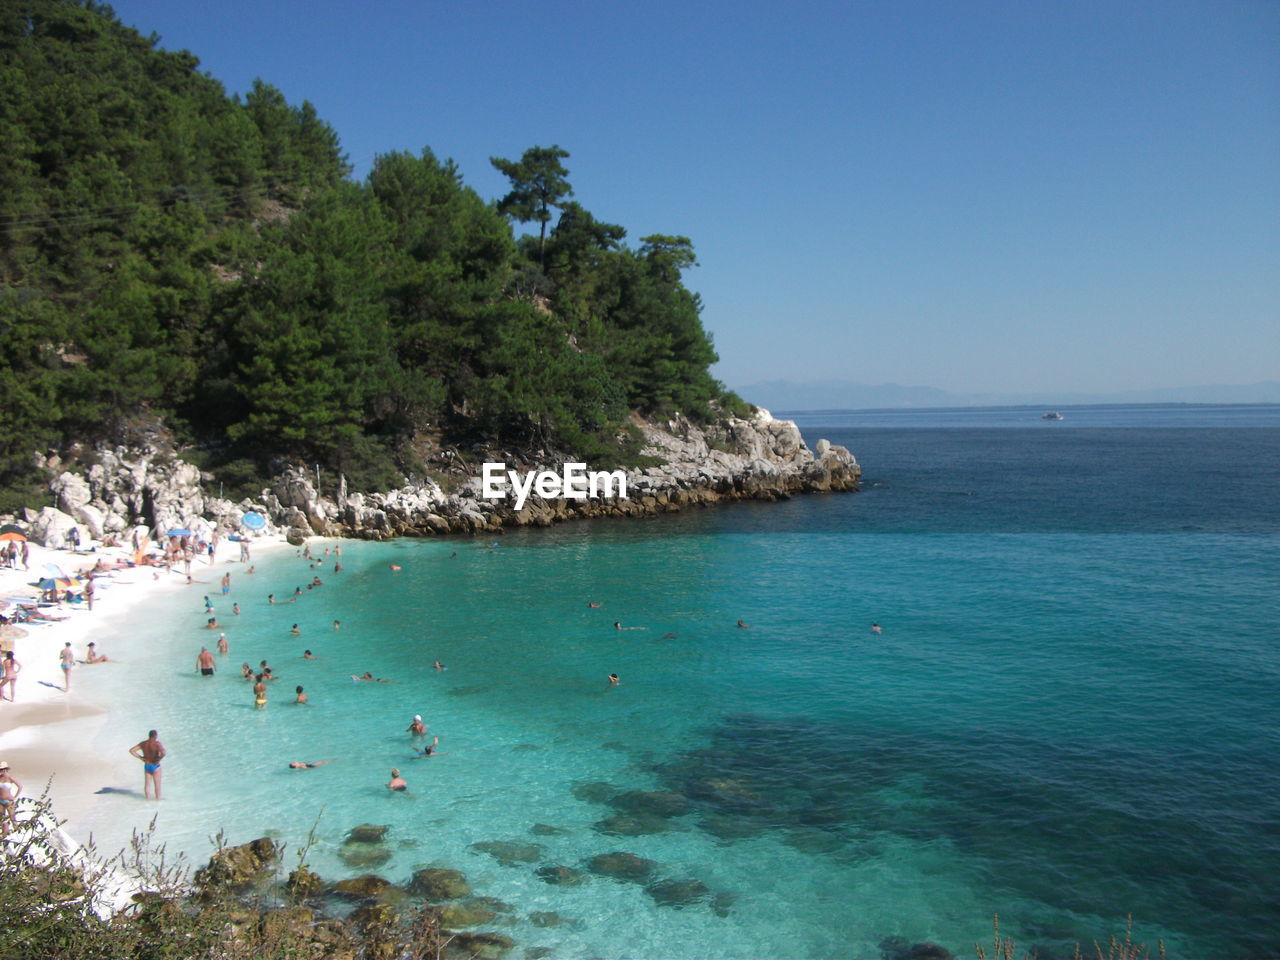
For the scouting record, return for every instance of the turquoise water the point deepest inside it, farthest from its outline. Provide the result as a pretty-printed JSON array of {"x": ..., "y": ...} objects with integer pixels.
[{"x": 1070, "y": 715}]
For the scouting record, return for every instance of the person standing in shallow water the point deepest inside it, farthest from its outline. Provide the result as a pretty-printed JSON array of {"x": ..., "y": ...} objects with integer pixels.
[
  {"x": 150, "y": 751},
  {"x": 259, "y": 692},
  {"x": 68, "y": 659},
  {"x": 205, "y": 662}
]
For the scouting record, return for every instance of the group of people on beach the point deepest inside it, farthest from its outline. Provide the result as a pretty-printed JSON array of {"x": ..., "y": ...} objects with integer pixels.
[{"x": 12, "y": 554}]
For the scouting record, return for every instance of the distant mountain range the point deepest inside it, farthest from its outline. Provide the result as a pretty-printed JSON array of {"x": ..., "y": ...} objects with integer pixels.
[{"x": 845, "y": 395}]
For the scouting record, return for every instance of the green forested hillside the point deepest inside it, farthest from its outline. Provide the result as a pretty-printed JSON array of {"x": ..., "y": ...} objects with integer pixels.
[{"x": 170, "y": 254}]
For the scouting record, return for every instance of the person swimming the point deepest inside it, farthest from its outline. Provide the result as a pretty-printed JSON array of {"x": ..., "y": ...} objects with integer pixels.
[
  {"x": 397, "y": 782},
  {"x": 369, "y": 678},
  {"x": 307, "y": 764},
  {"x": 743, "y": 626},
  {"x": 430, "y": 749},
  {"x": 617, "y": 625}
]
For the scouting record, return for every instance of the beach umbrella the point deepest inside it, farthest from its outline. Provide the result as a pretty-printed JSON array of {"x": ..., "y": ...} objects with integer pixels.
[
  {"x": 12, "y": 528},
  {"x": 46, "y": 583},
  {"x": 11, "y": 535},
  {"x": 178, "y": 532},
  {"x": 56, "y": 571},
  {"x": 254, "y": 521}
]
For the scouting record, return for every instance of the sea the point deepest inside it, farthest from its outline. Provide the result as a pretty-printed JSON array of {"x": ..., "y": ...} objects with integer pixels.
[{"x": 1068, "y": 717}]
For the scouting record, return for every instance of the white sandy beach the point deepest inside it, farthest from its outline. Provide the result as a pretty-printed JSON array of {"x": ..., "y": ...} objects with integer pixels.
[{"x": 45, "y": 732}]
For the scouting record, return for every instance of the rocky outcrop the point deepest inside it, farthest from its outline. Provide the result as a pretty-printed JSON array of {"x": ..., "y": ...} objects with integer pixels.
[
  {"x": 152, "y": 491},
  {"x": 236, "y": 868},
  {"x": 439, "y": 884},
  {"x": 759, "y": 458}
]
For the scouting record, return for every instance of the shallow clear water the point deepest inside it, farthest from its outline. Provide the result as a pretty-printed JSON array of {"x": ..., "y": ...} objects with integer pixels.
[{"x": 1071, "y": 714}]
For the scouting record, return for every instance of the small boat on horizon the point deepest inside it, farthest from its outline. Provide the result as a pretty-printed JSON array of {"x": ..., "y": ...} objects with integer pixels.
[{"x": 1052, "y": 415}]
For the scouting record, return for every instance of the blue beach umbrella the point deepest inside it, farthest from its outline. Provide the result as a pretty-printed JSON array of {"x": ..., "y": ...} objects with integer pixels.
[
  {"x": 254, "y": 521},
  {"x": 178, "y": 532}
]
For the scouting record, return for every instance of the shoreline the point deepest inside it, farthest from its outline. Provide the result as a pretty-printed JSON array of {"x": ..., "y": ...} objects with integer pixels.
[{"x": 46, "y": 734}]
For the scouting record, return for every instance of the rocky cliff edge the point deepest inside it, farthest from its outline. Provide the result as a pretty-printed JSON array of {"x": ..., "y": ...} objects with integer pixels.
[{"x": 757, "y": 458}]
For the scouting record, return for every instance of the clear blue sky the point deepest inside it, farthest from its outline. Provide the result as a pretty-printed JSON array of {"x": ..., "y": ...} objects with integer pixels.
[{"x": 1001, "y": 196}]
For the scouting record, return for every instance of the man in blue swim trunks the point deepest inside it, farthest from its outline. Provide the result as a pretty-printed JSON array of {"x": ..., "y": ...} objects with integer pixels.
[{"x": 150, "y": 751}]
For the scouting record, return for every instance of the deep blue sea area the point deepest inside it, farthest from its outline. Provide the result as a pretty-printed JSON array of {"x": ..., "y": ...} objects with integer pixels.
[{"x": 1071, "y": 715}]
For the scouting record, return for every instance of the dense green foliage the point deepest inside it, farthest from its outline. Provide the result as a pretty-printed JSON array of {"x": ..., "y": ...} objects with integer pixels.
[{"x": 171, "y": 254}]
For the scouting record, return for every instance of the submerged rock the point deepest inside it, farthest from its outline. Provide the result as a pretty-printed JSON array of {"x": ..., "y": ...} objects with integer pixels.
[
  {"x": 491, "y": 903},
  {"x": 462, "y": 915},
  {"x": 814, "y": 841},
  {"x": 547, "y": 830},
  {"x": 621, "y": 865},
  {"x": 594, "y": 791},
  {"x": 364, "y": 854},
  {"x": 370, "y": 886},
  {"x": 899, "y": 948},
  {"x": 730, "y": 794},
  {"x": 510, "y": 853},
  {"x": 654, "y": 803},
  {"x": 630, "y": 825},
  {"x": 485, "y": 946},
  {"x": 732, "y": 828},
  {"x": 435, "y": 884},
  {"x": 367, "y": 833},
  {"x": 678, "y": 893},
  {"x": 721, "y": 904},
  {"x": 562, "y": 876},
  {"x": 548, "y": 918}
]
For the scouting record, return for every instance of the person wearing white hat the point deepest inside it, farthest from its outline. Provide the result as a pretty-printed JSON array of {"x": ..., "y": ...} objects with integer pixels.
[
  {"x": 417, "y": 728},
  {"x": 9, "y": 790}
]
